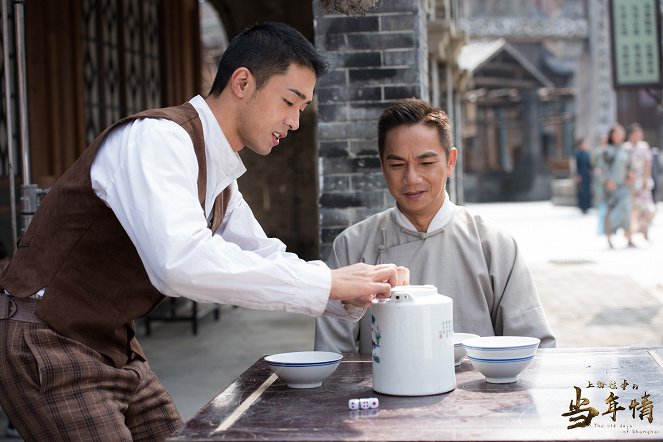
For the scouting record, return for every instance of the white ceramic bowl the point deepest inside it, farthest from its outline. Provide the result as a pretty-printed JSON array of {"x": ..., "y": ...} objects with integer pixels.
[
  {"x": 459, "y": 350},
  {"x": 304, "y": 369},
  {"x": 501, "y": 347},
  {"x": 501, "y": 371}
]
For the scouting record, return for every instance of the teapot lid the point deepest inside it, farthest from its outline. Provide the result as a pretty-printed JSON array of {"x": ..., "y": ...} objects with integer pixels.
[
  {"x": 425, "y": 289},
  {"x": 416, "y": 294}
]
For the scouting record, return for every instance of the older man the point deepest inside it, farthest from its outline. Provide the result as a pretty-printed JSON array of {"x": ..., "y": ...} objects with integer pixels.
[{"x": 466, "y": 257}]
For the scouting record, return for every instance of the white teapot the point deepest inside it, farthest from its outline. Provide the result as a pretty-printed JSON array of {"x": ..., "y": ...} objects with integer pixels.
[{"x": 413, "y": 344}]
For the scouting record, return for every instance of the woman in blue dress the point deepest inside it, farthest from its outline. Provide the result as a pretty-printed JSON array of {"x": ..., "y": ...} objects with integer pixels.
[{"x": 614, "y": 165}]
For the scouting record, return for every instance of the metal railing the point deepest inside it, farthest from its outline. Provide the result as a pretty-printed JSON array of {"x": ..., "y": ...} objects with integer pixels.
[{"x": 29, "y": 193}]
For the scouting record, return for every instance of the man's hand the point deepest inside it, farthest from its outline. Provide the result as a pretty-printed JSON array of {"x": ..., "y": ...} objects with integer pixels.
[{"x": 359, "y": 284}]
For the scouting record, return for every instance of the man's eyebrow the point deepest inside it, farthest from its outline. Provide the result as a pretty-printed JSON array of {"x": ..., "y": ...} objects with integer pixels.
[
  {"x": 428, "y": 154},
  {"x": 424, "y": 155},
  {"x": 299, "y": 94}
]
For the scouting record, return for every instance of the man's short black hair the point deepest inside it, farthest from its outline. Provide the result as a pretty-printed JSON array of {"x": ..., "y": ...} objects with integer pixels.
[
  {"x": 411, "y": 111},
  {"x": 267, "y": 49}
]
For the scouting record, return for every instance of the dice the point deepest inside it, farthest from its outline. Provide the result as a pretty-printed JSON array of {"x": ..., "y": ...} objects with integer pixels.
[{"x": 363, "y": 403}]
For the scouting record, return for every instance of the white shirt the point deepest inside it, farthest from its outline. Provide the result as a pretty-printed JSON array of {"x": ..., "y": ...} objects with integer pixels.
[{"x": 146, "y": 172}]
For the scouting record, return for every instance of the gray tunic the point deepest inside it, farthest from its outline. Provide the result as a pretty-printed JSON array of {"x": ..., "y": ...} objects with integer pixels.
[{"x": 470, "y": 260}]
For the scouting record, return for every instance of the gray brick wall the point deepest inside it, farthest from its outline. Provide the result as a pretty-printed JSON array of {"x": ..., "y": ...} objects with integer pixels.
[{"x": 375, "y": 59}]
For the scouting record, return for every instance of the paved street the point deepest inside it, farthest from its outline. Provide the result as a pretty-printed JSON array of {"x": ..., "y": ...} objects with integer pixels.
[{"x": 594, "y": 296}]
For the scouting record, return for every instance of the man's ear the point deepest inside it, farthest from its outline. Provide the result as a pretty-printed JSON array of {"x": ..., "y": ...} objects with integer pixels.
[
  {"x": 451, "y": 161},
  {"x": 240, "y": 82}
]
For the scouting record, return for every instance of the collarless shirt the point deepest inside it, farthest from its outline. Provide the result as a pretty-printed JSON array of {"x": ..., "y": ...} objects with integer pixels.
[{"x": 146, "y": 172}]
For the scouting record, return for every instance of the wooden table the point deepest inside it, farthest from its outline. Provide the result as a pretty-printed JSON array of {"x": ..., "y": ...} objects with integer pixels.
[{"x": 540, "y": 406}]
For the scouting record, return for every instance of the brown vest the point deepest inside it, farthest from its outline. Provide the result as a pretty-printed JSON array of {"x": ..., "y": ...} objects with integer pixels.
[{"x": 75, "y": 247}]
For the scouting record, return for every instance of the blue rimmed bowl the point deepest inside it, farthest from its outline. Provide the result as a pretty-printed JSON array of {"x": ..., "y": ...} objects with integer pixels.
[
  {"x": 501, "y": 347},
  {"x": 304, "y": 369},
  {"x": 501, "y": 359}
]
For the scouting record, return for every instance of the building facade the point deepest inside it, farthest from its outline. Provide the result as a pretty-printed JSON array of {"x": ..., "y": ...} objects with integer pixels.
[{"x": 520, "y": 80}]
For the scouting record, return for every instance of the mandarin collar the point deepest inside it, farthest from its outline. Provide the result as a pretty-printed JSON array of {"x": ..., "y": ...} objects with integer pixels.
[{"x": 439, "y": 221}]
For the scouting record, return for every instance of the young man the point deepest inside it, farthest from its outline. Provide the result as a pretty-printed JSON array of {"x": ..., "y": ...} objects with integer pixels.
[
  {"x": 152, "y": 208},
  {"x": 466, "y": 257}
]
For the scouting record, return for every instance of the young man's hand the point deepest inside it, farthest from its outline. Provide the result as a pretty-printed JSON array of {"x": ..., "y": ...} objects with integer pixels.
[{"x": 360, "y": 283}]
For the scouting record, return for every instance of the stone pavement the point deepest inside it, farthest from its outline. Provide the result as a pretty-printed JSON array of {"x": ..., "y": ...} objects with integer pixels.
[{"x": 594, "y": 296}]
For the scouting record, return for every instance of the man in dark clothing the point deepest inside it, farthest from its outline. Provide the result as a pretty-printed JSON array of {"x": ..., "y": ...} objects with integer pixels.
[{"x": 583, "y": 176}]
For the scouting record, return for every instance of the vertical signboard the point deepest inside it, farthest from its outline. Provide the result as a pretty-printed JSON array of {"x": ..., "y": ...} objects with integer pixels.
[{"x": 636, "y": 43}]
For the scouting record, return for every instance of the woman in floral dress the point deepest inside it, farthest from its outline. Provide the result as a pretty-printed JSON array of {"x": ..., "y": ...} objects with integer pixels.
[{"x": 643, "y": 208}]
